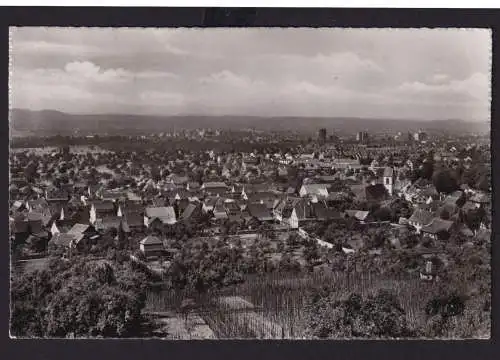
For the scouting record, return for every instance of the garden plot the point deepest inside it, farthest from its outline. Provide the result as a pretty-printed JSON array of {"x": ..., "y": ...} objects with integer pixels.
[{"x": 173, "y": 326}]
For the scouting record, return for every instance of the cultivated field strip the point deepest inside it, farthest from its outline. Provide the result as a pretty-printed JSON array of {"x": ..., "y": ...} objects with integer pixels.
[{"x": 272, "y": 307}]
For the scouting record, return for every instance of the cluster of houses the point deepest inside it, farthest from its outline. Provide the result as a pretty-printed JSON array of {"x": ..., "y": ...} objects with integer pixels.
[
  {"x": 436, "y": 216},
  {"x": 75, "y": 212}
]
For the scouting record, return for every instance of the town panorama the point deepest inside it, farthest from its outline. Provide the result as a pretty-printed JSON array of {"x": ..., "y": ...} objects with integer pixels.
[{"x": 338, "y": 196}]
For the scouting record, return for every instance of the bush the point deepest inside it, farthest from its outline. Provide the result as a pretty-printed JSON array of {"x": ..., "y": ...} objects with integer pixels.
[
  {"x": 377, "y": 316},
  {"x": 446, "y": 306}
]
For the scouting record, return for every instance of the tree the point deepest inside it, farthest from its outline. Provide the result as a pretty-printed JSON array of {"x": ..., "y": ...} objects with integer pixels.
[
  {"x": 474, "y": 218},
  {"x": 427, "y": 169},
  {"x": 441, "y": 309},
  {"x": 293, "y": 240},
  {"x": 400, "y": 208},
  {"x": 30, "y": 171},
  {"x": 287, "y": 264},
  {"x": 484, "y": 183},
  {"x": 444, "y": 181},
  {"x": 201, "y": 268},
  {"x": 382, "y": 214},
  {"x": 85, "y": 298},
  {"x": 36, "y": 244},
  {"x": 376, "y": 238},
  {"x": 311, "y": 252},
  {"x": 376, "y": 316},
  {"x": 155, "y": 173}
]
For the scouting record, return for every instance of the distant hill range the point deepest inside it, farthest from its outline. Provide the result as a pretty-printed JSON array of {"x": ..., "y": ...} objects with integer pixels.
[{"x": 49, "y": 122}]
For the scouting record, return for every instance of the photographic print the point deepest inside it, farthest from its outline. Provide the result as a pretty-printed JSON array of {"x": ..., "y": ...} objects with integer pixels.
[{"x": 250, "y": 183}]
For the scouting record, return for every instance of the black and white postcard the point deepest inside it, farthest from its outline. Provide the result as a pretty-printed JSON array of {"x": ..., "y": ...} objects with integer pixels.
[{"x": 250, "y": 183}]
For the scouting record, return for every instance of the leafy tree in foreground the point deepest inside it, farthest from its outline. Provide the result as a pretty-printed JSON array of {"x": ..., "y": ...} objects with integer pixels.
[
  {"x": 377, "y": 316},
  {"x": 88, "y": 298}
]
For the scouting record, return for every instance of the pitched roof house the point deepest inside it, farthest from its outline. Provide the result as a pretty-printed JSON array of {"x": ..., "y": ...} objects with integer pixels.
[
  {"x": 266, "y": 198},
  {"x": 438, "y": 227},
  {"x": 113, "y": 195},
  {"x": 193, "y": 186},
  {"x": 304, "y": 210},
  {"x": 64, "y": 240},
  {"x": 327, "y": 179},
  {"x": 213, "y": 186},
  {"x": 130, "y": 208},
  {"x": 320, "y": 190},
  {"x": 209, "y": 203},
  {"x": 178, "y": 180},
  {"x": 260, "y": 212},
  {"x": 165, "y": 214},
  {"x": 283, "y": 209},
  {"x": 132, "y": 196},
  {"x": 232, "y": 208},
  {"x": 134, "y": 221},
  {"x": 420, "y": 218},
  {"x": 40, "y": 205},
  {"x": 219, "y": 210},
  {"x": 359, "y": 215},
  {"x": 99, "y": 209},
  {"x": 151, "y": 246},
  {"x": 191, "y": 212},
  {"x": 54, "y": 194},
  {"x": 81, "y": 229},
  {"x": 108, "y": 222},
  {"x": 480, "y": 199},
  {"x": 19, "y": 224},
  {"x": 322, "y": 213},
  {"x": 456, "y": 198}
]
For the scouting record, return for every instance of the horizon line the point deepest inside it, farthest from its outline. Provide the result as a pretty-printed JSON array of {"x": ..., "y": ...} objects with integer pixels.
[{"x": 253, "y": 116}]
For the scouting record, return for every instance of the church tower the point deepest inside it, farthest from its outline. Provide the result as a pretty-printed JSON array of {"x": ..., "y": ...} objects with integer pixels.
[{"x": 389, "y": 179}]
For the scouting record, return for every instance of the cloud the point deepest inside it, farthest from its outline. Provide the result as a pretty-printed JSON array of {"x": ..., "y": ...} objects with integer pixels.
[
  {"x": 347, "y": 62},
  {"x": 439, "y": 78},
  {"x": 45, "y": 47},
  {"x": 227, "y": 78},
  {"x": 83, "y": 85},
  {"x": 154, "y": 75},
  {"x": 87, "y": 71},
  {"x": 472, "y": 89}
]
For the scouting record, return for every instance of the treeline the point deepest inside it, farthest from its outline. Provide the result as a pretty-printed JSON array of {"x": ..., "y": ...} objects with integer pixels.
[{"x": 229, "y": 144}]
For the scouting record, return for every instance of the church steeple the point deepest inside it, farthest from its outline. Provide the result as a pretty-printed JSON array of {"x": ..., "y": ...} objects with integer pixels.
[{"x": 389, "y": 179}]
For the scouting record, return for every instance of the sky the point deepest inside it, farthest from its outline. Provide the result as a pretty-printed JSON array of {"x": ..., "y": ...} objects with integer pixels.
[{"x": 426, "y": 74}]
